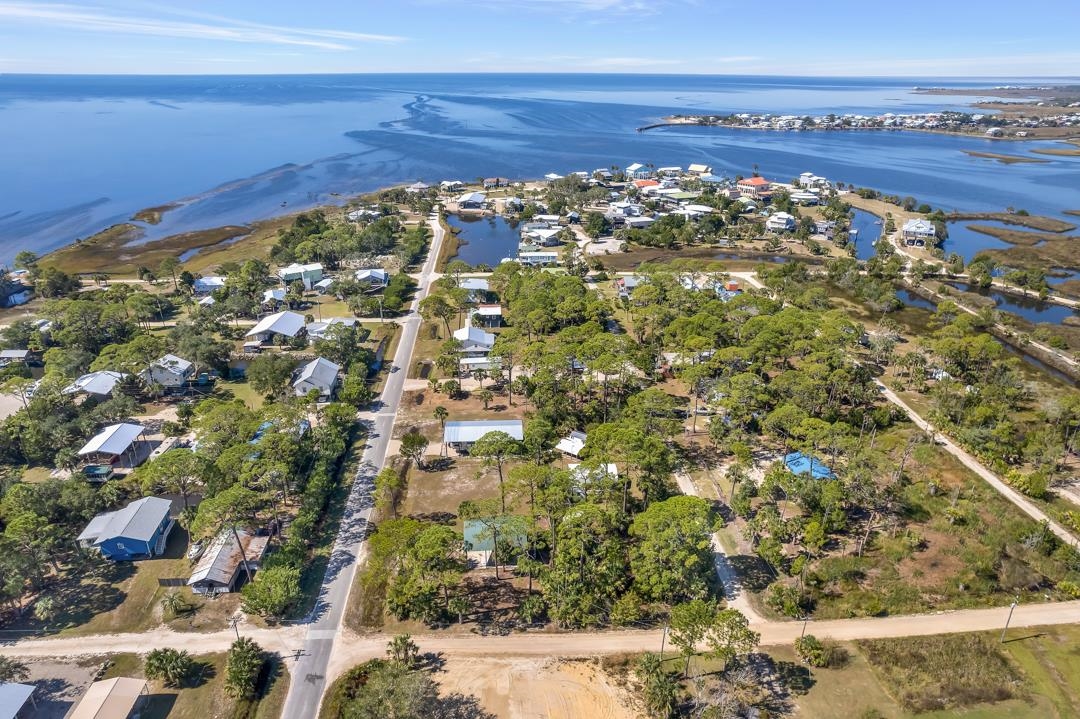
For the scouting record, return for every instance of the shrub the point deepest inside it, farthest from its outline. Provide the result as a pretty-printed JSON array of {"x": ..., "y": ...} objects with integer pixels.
[
  {"x": 1071, "y": 589},
  {"x": 627, "y": 610},
  {"x": 820, "y": 654},
  {"x": 242, "y": 666}
]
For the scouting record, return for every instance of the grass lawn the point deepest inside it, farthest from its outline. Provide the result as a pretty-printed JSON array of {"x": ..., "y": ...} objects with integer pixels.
[
  {"x": 205, "y": 697},
  {"x": 111, "y": 597},
  {"x": 241, "y": 390}
]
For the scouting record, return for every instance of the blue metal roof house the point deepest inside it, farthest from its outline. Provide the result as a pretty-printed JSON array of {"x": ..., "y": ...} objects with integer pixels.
[
  {"x": 799, "y": 463},
  {"x": 138, "y": 531}
]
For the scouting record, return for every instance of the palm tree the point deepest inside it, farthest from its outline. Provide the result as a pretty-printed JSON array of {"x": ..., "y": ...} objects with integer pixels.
[
  {"x": 171, "y": 666},
  {"x": 486, "y": 396},
  {"x": 173, "y": 603},
  {"x": 403, "y": 650},
  {"x": 441, "y": 414}
]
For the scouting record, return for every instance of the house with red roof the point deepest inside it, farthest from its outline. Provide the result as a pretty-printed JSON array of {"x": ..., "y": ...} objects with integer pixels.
[{"x": 755, "y": 187}]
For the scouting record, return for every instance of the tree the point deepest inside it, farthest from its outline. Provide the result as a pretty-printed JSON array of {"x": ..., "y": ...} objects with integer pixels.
[
  {"x": 658, "y": 689},
  {"x": 174, "y": 603},
  {"x": 486, "y": 396},
  {"x": 13, "y": 671},
  {"x": 171, "y": 666},
  {"x": 496, "y": 447},
  {"x": 458, "y": 606},
  {"x": 178, "y": 471},
  {"x": 242, "y": 666},
  {"x": 441, "y": 414},
  {"x": 689, "y": 624},
  {"x": 274, "y": 592},
  {"x": 403, "y": 650},
  {"x": 169, "y": 266},
  {"x": 269, "y": 374},
  {"x": 413, "y": 447},
  {"x": 673, "y": 558},
  {"x": 436, "y": 307},
  {"x": 730, "y": 635}
]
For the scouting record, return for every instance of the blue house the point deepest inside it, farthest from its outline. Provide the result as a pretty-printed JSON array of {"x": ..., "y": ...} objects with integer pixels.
[
  {"x": 799, "y": 463},
  {"x": 138, "y": 531}
]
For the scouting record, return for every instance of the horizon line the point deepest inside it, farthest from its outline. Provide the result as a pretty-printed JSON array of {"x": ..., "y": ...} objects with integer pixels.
[{"x": 627, "y": 73}]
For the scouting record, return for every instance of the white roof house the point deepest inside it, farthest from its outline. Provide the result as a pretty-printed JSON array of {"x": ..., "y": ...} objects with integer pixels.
[
  {"x": 918, "y": 229},
  {"x": 572, "y": 444},
  {"x": 285, "y": 323},
  {"x": 537, "y": 258},
  {"x": 207, "y": 302},
  {"x": 274, "y": 296},
  {"x": 169, "y": 371},
  {"x": 99, "y": 383},
  {"x": 321, "y": 330},
  {"x": 451, "y": 184},
  {"x": 474, "y": 340},
  {"x": 223, "y": 561},
  {"x": 700, "y": 169},
  {"x": 373, "y": 275},
  {"x": 474, "y": 284},
  {"x": 309, "y": 274},
  {"x": 206, "y": 285},
  {"x": 113, "y": 441},
  {"x": 318, "y": 374},
  {"x": 635, "y": 169},
  {"x": 472, "y": 199},
  {"x": 553, "y": 176},
  {"x": 465, "y": 432},
  {"x": 780, "y": 222}
]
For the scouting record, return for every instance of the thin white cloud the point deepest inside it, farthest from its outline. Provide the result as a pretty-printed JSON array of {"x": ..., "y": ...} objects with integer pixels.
[
  {"x": 629, "y": 62},
  {"x": 224, "y": 29}
]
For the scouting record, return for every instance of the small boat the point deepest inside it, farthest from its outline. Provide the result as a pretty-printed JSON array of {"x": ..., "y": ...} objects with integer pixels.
[
  {"x": 196, "y": 550},
  {"x": 283, "y": 203}
]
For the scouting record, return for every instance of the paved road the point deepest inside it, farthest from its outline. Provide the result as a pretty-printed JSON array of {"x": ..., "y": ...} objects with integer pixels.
[{"x": 325, "y": 622}]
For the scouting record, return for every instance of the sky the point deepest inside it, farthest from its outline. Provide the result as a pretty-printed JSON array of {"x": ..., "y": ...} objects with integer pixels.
[{"x": 781, "y": 37}]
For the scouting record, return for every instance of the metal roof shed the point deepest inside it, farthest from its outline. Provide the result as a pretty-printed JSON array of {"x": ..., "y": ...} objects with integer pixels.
[
  {"x": 223, "y": 561},
  {"x": 283, "y": 323},
  {"x": 469, "y": 431},
  {"x": 110, "y": 699},
  {"x": 113, "y": 441}
]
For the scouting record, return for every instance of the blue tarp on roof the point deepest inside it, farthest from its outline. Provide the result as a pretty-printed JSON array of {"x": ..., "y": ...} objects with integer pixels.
[{"x": 799, "y": 463}]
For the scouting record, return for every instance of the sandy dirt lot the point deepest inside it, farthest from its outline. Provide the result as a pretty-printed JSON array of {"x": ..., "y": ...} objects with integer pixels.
[
  {"x": 523, "y": 688},
  {"x": 59, "y": 685},
  {"x": 9, "y": 405}
]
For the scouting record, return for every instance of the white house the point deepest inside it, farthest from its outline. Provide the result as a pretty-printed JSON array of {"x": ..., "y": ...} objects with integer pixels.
[
  {"x": 477, "y": 287},
  {"x": 318, "y": 374},
  {"x": 373, "y": 276},
  {"x": 114, "y": 443},
  {"x": 451, "y": 185},
  {"x": 637, "y": 171},
  {"x": 308, "y": 274},
  {"x": 417, "y": 187},
  {"x": 286, "y": 324},
  {"x": 918, "y": 232},
  {"x": 323, "y": 286},
  {"x": 169, "y": 371},
  {"x": 572, "y": 444},
  {"x": 536, "y": 259},
  {"x": 99, "y": 383},
  {"x": 780, "y": 222},
  {"x": 699, "y": 169},
  {"x": 490, "y": 315},
  {"x": 273, "y": 297},
  {"x": 322, "y": 330},
  {"x": 474, "y": 341},
  {"x": 472, "y": 200},
  {"x": 206, "y": 285}
]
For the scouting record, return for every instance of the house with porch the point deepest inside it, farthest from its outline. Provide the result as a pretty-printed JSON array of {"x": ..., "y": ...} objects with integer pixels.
[
  {"x": 283, "y": 324},
  {"x": 375, "y": 277},
  {"x": 97, "y": 384},
  {"x": 472, "y": 201},
  {"x": 308, "y": 274},
  {"x": 917, "y": 232},
  {"x": 118, "y": 445},
  {"x": 757, "y": 188},
  {"x": 170, "y": 372},
  {"x": 474, "y": 341}
]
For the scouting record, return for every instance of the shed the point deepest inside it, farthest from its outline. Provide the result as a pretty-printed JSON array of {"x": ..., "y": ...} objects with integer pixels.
[
  {"x": 799, "y": 463},
  {"x": 114, "y": 443},
  {"x": 111, "y": 699},
  {"x": 287, "y": 324},
  {"x": 462, "y": 434},
  {"x": 13, "y": 698},
  {"x": 223, "y": 562},
  {"x": 139, "y": 530},
  {"x": 8, "y": 357}
]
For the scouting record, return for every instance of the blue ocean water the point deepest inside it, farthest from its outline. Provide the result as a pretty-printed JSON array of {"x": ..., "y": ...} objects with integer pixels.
[{"x": 81, "y": 153}]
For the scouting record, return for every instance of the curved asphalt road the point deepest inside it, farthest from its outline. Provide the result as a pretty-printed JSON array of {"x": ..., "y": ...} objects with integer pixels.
[{"x": 308, "y": 668}]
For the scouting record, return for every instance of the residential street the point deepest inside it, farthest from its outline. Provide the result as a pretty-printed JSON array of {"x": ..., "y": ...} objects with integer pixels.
[{"x": 325, "y": 622}]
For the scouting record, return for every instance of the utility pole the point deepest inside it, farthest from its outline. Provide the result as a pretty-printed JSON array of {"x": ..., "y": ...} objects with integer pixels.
[
  {"x": 663, "y": 638},
  {"x": 233, "y": 622},
  {"x": 805, "y": 619},
  {"x": 1009, "y": 618}
]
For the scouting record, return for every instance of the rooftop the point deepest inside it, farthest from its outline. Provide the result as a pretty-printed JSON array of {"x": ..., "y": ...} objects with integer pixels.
[
  {"x": 283, "y": 323},
  {"x": 472, "y": 430},
  {"x": 139, "y": 520},
  {"x": 114, "y": 439}
]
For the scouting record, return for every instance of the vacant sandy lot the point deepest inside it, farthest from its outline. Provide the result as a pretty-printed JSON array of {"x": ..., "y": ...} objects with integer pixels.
[{"x": 523, "y": 688}]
